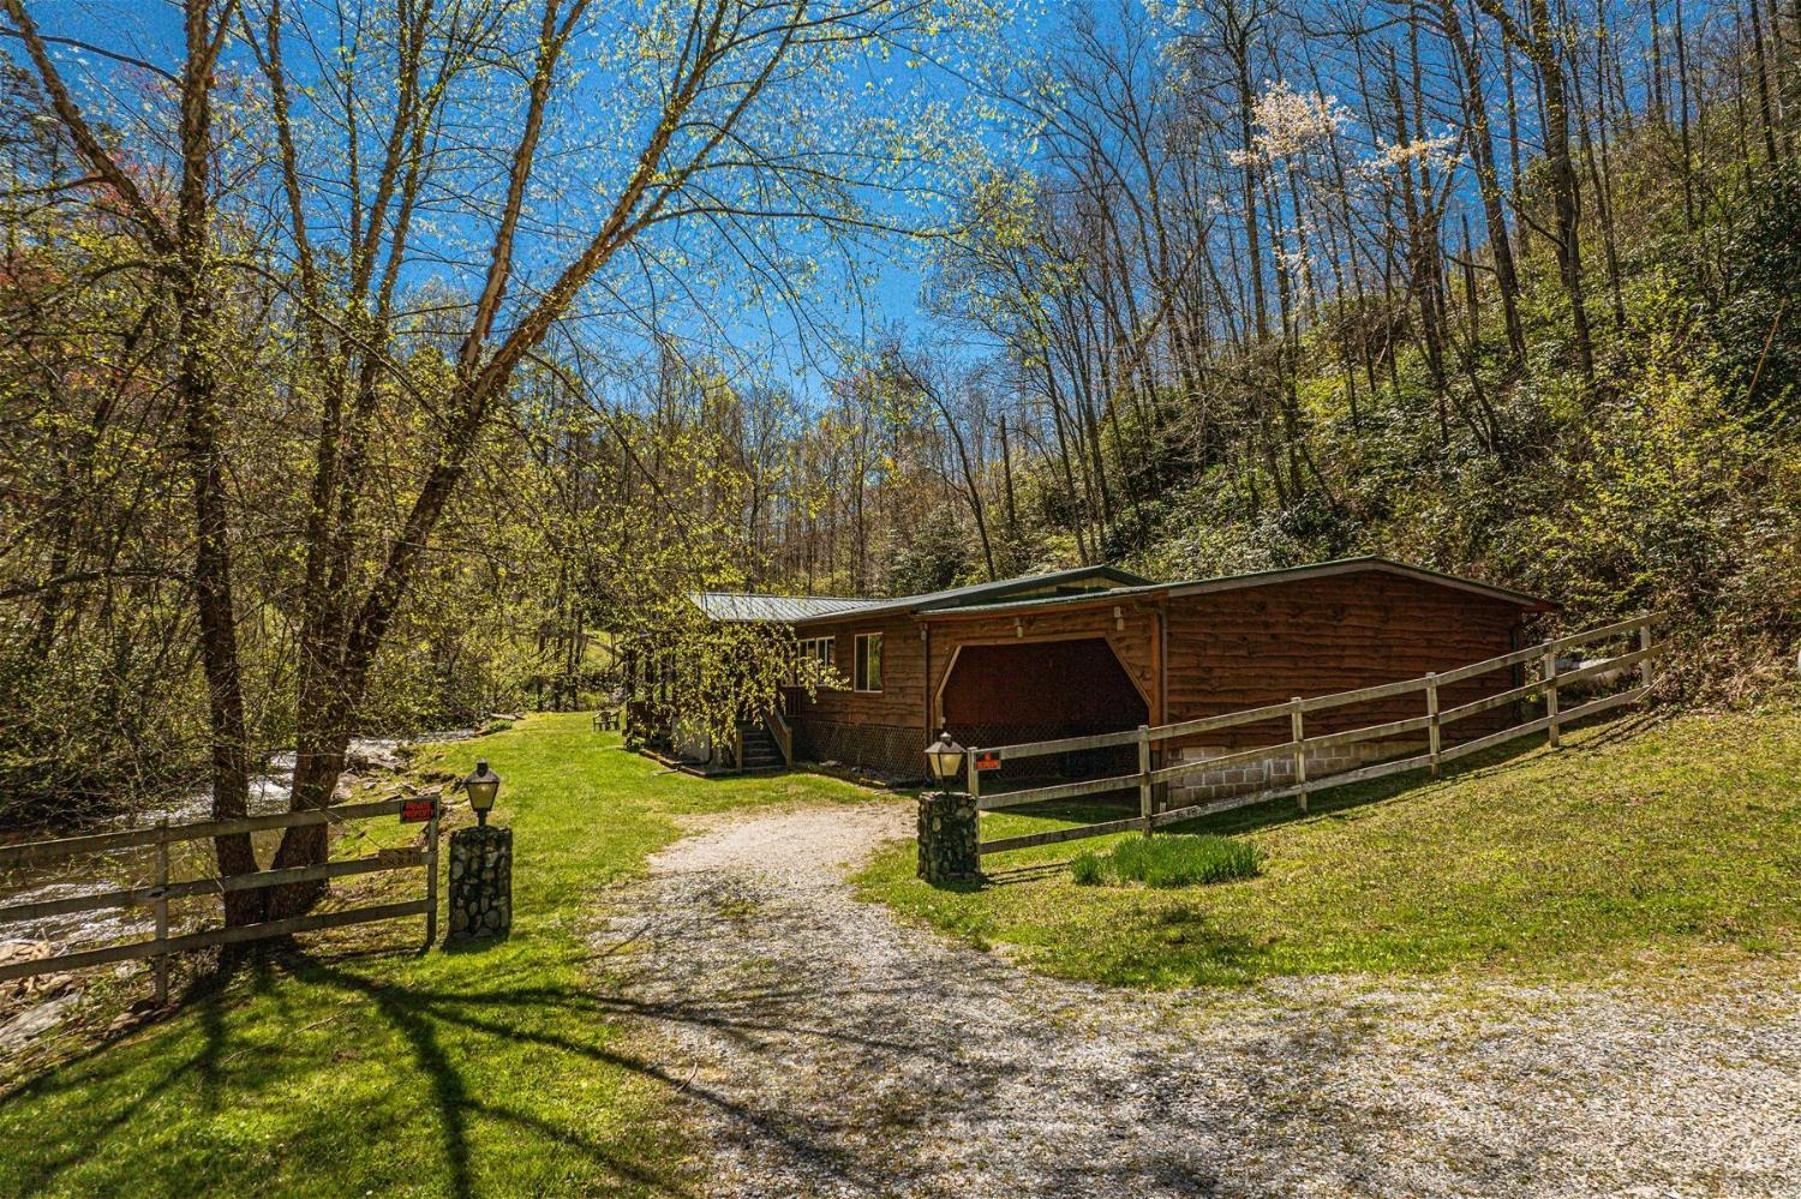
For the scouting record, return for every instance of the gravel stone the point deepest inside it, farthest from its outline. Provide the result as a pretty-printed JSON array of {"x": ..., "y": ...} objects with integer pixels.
[{"x": 818, "y": 1046}]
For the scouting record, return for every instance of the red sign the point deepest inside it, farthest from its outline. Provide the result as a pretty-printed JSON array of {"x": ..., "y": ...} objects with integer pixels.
[
  {"x": 988, "y": 761},
  {"x": 418, "y": 811}
]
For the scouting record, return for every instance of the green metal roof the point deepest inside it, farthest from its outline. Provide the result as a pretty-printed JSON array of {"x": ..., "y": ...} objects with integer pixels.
[
  {"x": 738, "y": 607},
  {"x": 741, "y": 607},
  {"x": 1289, "y": 574},
  {"x": 1012, "y": 595}
]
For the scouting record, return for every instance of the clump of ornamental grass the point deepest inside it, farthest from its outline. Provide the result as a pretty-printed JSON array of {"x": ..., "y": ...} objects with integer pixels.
[{"x": 1168, "y": 861}]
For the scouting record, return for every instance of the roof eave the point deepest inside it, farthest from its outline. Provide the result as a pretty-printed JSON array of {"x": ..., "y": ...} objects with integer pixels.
[
  {"x": 1375, "y": 562},
  {"x": 1290, "y": 574},
  {"x": 1063, "y": 603},
  {"x": 1006, "y": 587},
  {"x": 922, "y": 605}
]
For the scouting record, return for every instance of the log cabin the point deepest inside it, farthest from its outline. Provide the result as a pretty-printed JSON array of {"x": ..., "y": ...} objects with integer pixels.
[{"x": 1098, "y": 649}]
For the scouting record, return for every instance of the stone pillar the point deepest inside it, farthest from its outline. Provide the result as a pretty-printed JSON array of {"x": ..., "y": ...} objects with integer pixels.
[
  {"x": 947, "y": 838},
  {"x": 481, "y": 883}
]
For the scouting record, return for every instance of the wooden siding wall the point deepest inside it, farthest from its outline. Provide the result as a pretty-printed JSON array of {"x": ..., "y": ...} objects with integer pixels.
[
  {"x": 898, "y": 707},
  {"x": 1226, "y": 651},
  {"x": 1231, "y": 650},
  {"x": 901, "y": 701}
]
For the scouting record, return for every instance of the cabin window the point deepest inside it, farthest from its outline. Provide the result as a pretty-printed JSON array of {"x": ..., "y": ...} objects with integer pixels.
[
  {"x": 868, "y": 673},
  {"x": 822, "y": 650}
]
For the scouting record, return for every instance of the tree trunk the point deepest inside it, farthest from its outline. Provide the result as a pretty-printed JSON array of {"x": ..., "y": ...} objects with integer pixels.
[
  {"x": 1488, "y": 181},
  {"x": 1539, "y": 43}
]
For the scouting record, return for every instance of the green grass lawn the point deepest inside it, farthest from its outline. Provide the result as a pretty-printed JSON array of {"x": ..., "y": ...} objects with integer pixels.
[
  {"x": 1636, "y": 847},
  {"x": 367, "y": 1069},
  {"x": 362, "y": 1068}
]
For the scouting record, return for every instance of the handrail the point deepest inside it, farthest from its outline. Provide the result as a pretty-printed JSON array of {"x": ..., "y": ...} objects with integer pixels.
[{"x": 777, "y": 724}]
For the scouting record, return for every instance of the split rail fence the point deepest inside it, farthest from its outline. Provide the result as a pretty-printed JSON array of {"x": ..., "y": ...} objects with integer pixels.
[
  {"x": 158, "y": 949},
  {"x": 1431, "y": 722}
]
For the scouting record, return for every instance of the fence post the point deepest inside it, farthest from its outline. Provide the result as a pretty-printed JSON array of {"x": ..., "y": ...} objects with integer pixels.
[
  {"x": 1644, "y": 643},
  {"x": 1432, "y": 734},
  {"x": 1144, "y": 776},
  {"x": 431, "y": 875},
  {"x": 161, "y": 965},
  {"x": 1300, "y": 750},
  {"x": 1550, "y": 677},
  {"x": 975, "y": 776}
]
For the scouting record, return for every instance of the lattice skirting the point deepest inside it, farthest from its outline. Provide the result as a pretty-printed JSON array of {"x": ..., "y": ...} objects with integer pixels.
[{"x": 892, "y": 750}]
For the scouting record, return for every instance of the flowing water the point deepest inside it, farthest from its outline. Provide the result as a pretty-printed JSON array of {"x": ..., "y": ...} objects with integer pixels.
[
  {"x": 28, "y": 1010},
  {"x": 119, "y": 869}
]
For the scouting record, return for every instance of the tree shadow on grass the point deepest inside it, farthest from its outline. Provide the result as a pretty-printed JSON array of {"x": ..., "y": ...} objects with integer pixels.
[
  {"x": 1181, "y": 942},
  {"x": 118, "y": 1086},
  {"x": 423, "y": 1015},
  {"x": 207, "y": 995}
]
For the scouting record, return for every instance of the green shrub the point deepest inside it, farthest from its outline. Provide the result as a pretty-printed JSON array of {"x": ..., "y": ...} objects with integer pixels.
[
  {"x": 1087, "y": 869},
  {"x": 1169, "y": 861}
]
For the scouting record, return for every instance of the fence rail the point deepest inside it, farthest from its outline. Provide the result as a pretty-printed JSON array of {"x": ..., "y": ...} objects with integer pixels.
[
  {"x": 1145, "y": 779},
  {"x": 158, "y": 948}
]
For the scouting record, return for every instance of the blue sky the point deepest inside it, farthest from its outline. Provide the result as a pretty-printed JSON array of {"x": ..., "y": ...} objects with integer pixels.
[{"x": 153, "y": 32}]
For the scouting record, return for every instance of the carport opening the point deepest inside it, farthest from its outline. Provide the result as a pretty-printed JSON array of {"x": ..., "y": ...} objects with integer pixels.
[{"x": 1039, "y": 691}]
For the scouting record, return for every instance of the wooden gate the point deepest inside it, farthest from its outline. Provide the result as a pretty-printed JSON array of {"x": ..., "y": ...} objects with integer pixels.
[{"x": 425, "y": 809}]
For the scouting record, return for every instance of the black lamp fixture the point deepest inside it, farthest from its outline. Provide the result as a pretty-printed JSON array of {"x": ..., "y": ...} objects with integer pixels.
[
  {"x": 482, "y": 787},
  {"x": 945, "y": 758}
]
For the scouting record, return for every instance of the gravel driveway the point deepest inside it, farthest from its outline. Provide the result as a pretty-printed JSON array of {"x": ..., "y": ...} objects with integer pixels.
[{"x": 822, "y": 1048}]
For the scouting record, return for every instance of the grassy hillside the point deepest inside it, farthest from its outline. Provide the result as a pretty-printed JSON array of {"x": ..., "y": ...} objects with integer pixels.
[
  {"x": 1636, "y": 847},
  {"x": 364, "y": 1069}
]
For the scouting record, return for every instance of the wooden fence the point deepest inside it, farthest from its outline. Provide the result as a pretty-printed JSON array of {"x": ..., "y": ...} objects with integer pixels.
[
  {"x": 1431, "y": 722},
  {"x": 420, "y": 809}
]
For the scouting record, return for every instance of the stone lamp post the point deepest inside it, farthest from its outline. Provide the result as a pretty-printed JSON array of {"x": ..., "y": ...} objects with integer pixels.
[
  {"x": 481, "y": 867},
  {"x": 947, "y": 819}
]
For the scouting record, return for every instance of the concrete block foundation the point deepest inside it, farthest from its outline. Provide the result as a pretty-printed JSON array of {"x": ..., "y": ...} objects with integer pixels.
[{"x": 1242, "y": 778}]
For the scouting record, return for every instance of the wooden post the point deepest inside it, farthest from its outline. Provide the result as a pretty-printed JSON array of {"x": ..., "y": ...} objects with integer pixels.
[
  {"x": 1144, "y": 777},
  {"x": 1644, "y": 643},
  {"x": 975, "y": 776},
  {"x": 161, "y": 965},
  {"x": 1550, "y": 677},
  {"x": 431, "y": 877},
  {"x": 1432, "y": 732},
  {"x": 1297, "y": 735}
]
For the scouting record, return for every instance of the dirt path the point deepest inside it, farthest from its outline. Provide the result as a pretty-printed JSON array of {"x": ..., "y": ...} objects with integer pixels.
[{"x": 826, "y": 1049}]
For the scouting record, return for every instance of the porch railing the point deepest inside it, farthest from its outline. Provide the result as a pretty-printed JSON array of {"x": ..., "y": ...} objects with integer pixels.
[{"x": 778, "y": 727}]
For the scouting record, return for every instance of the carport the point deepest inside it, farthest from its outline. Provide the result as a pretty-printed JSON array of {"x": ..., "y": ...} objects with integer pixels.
[{"x": 1006, "y": 693}]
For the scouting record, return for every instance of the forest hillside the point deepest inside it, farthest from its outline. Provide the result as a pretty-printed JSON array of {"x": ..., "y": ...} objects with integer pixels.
[{"x": 319, "y": 422}]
